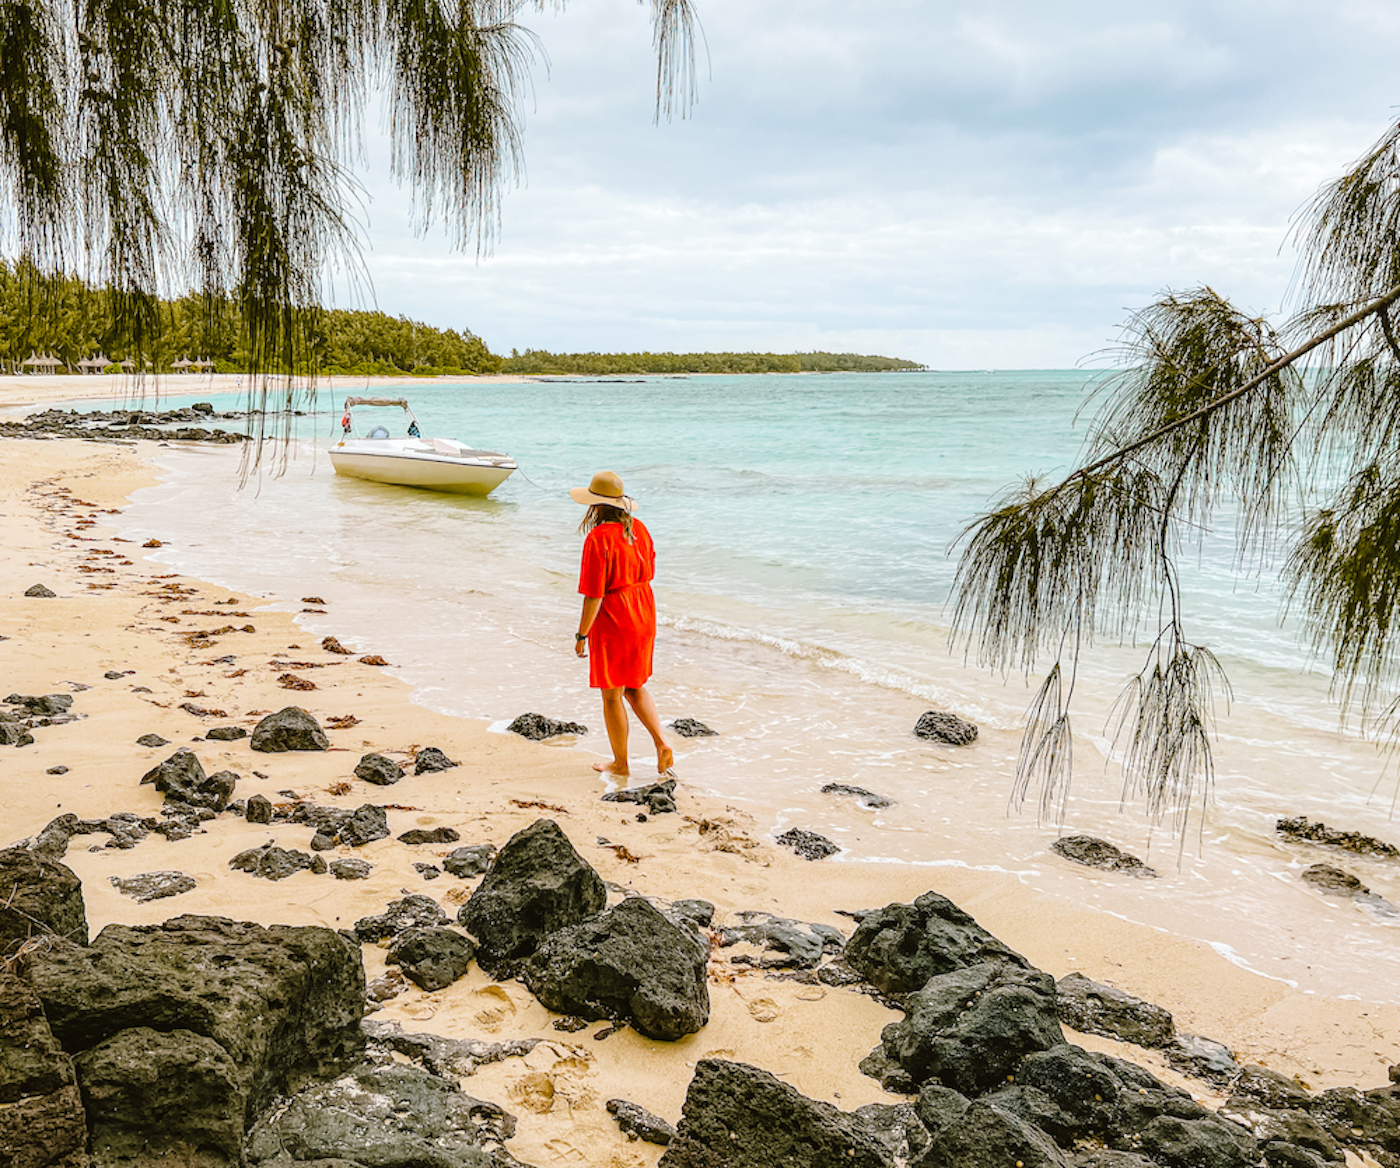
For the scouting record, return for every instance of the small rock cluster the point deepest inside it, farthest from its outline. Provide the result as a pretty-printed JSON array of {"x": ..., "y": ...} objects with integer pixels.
[
  {"x": 29, "y": 712},
  {"x": 153, "y": 425}
]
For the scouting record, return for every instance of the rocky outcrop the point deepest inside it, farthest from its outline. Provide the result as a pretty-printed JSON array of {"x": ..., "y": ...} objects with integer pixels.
[
  {"x": 351, "y": 868},
  {"x": 258, "y": 809},
  {"x": 1202, "y": 1058},
  {"x": 692, "y": 728},
  {"x": 968, "y": 1029},
  {"x": 181, "y": 779},
  {"x": 377, "y": 769},
  {"x": 389, "y": 1117},
  {"x": 985, "y": 1135},
  {"x": 1093, "y": 1008},
  {"x": 448, "y": 1058},
  {"x": 899, "y": 947},
  {"x": 432, "y": 959},
  {"x": 797, "y": 944},
  {"x": 153, "y": 885},
  {"x": 737, "y": 1116},
  {"x": 183, "y": 1032},
  {"x": 42, "y": 706},
  {"x": 152, "y": 740},
  {"x": 102, "y": 425},
  {"x": 412, "y": 912},
  {"x": 430, "y": 760},
  {"x": 1097, "y": 853},
  {"x": 940, "y": 727},
  {"x": 658, "y": 798},
  {"x": 430, "y": 835},
  {"x": 39, "y": 898},
  {"x": 156, "y": 1095},
  {"x": 471, "y": 860},
  {"x": 537, "y": 727},
  {"x": 1332, "y": 881},
  {"x": 226, "y": 733},
  {"x": 291, "y": 728},
  {"x": 629, "y": 964},
  {"x": 42, "y": 1122},
  {"x": 637, "y": 1123},
  {"x": 273, "y": 863},
  {"x": 807, "y": 844},
  {"x": 1300, "y": 828},
  {"x": 867, "y": 798},
  {"x": 366, "y": 823},
  {"x": 536, "y": 885}
]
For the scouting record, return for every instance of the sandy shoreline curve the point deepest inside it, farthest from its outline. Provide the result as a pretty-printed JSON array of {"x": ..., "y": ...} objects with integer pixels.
[
  {"x": 117, "y": 613},
  {"x": 36, "y": 389}
]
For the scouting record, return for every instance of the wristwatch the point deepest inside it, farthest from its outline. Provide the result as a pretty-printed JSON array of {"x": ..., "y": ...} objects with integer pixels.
[{"x": 580, "y": 636}]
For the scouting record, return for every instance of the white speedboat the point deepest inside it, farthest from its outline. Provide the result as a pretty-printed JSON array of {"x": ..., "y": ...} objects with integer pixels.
[{"x": 436, "y": 464}]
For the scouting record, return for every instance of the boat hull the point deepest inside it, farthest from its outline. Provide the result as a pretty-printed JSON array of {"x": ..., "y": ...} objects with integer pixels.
[{"x": 427, "y": 472}]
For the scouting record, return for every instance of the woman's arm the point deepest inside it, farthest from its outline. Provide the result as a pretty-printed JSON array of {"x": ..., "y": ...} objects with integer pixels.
[{"x": 591, "y": 604}]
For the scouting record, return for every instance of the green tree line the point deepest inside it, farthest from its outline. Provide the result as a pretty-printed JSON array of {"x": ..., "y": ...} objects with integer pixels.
[
  {"x": 72, "y": 320},
  {"x": 539, "y": 361}
]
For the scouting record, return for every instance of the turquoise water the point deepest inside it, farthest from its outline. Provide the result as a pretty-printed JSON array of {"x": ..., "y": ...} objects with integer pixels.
[{"x": 803, "y": 527}]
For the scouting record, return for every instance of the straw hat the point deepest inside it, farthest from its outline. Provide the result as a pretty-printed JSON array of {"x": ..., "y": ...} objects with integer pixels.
[{"x": 606, "y": 488}]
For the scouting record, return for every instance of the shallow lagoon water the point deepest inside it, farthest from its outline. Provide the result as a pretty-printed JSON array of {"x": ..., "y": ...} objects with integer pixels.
[{"x": 803, "y": 527}]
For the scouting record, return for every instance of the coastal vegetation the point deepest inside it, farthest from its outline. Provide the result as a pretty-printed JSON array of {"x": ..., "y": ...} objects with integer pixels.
[
  {"x": 602, "y": 364},
  {"x": 1221, "y": 423},
  {"x": 66, "y": 317},
  {"x": 186, "y": 149}
]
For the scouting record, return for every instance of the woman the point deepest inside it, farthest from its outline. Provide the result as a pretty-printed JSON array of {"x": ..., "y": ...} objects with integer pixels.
[{"x": 618, "y": 622}]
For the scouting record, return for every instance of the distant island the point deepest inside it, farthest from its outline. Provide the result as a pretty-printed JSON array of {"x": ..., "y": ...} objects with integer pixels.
[
  {"x": 62, "y": 324},
  {"x": 538, "y": 361}
]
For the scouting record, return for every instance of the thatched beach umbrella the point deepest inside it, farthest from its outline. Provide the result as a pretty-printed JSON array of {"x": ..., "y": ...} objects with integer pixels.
[{"x": 45, "y": 364}]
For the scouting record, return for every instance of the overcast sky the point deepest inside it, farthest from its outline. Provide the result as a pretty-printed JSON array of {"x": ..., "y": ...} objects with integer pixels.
[{"x": 971, "y": 185}]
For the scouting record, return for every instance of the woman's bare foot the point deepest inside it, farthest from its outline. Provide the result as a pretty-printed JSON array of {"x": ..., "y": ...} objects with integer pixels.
[
  {"x": 611, "y": 768},
  {"x": 665, "y": 760}
]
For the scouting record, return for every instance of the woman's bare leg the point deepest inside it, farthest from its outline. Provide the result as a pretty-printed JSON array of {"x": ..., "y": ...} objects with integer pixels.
[
  {"x": 640, "y": 701},
  {"x": 615, "y": 719}
]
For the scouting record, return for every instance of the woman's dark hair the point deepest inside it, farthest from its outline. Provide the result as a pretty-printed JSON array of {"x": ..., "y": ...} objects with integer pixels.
[{"x": 603, "y": 513}]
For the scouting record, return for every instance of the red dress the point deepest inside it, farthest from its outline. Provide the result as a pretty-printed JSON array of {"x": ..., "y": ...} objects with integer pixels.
[{"x": 621, "y": 638}]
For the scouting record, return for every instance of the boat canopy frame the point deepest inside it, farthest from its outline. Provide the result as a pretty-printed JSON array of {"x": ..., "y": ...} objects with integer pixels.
[{"x": 401, "y": 402}]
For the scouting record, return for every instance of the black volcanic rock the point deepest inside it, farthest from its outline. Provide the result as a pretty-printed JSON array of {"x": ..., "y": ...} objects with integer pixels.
[
  {"x": 1097, "y": 853},
  {"x": 291, "y": 728},
  {"x": 1093, "y": 1008},
  {"x": 737, "y": 1116},
  {"x": 941, "y": 727},
  {"x": 432, "y": 959},
  {"x": 536, "y": 885},
  {"x": 899, "y": 947},
  {"x": 537, "y": 727},
  {"x": 969, "y": 1028},
  {"x": 379, "y": 770},
  {"x": 629, "y": 964},
  {"x": 183, "y": 1032},
  {"x": 41, "y": 898},
  {"x": 430, "y": 760}
]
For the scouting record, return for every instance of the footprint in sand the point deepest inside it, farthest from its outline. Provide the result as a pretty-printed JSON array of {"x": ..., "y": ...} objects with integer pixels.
[
  {"x": 764, "y": 1009},
  {"x": 534, "y": 1092},
  {"x": 420, "y": 1011},
  {"x": 496, "y": 1008},
  {"x": 811, "y": 993},
  {"x": 564, "y": 1152}
]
